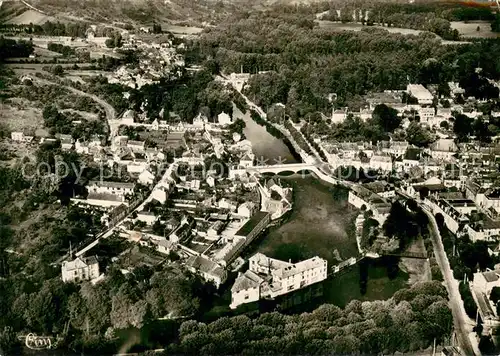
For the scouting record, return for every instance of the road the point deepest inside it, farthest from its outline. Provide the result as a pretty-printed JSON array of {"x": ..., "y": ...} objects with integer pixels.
[
  {"x": 110, "y": 111},
  {"x": 460, "y": 321}
]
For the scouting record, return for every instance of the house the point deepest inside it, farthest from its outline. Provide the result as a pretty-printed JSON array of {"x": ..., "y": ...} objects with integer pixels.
[
  {"x": 481, "y": 288},
  {"x": 246, "y": 289},
  {"x": 246, "y": 160},
  {"x": 82, "y": 147},
  {"x": 20, "y": 137},
  {"x": 66, "y": 141},
  {"x": 428, "y": 117},
  {"x": 213, "y": 232},
  {"x": 419, "y": 92},
  {"x": 381, "y": 162},
  {"x": 224, "y": 119},
  {"x": 115, "y": 188},
  {"x": 246, "y": 209},
  {"x": 443, "y": 149},
  {"x": 192, "y": 158},
  {"x": 455, "y": 89},
  {"x": 160, "y": 194},
  {"x": 128, "y": 118},
  {"x": 207, "y": 269},
  {"x": 136, "y": 146},
  {"x": 137, "y": 166},
  {"x": 254, "y": 226},
  {"x": 80, "y": 269},
  {"x": 146, "y": 177},
  {"x": 339, "y": 116},
  {"x": 269, "y": 278}
]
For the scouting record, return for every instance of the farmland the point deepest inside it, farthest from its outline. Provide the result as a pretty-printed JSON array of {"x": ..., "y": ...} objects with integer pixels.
[{"x": 470, "y": 29}]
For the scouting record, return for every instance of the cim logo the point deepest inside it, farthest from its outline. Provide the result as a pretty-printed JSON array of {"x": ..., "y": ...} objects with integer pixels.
[{"x": 38, "y": 342}]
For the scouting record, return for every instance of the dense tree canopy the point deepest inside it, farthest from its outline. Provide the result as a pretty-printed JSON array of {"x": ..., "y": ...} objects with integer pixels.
[{"x": 407, "y": 322}]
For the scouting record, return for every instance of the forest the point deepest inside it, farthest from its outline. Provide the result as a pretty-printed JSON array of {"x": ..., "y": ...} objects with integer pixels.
[
  {"x": 300, "y": 64},
  {"x": 409, "y": 321}
]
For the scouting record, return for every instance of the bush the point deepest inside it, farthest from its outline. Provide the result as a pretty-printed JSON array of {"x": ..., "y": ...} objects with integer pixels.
[
  {"x": 436, "y": 273},
  {"x": 469, "y": 303}
]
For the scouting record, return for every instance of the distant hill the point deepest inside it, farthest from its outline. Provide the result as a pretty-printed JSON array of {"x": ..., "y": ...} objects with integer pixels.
[{"x": 145, "y": 12}]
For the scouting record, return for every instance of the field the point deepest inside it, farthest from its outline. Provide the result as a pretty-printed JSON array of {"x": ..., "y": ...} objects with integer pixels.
[
  {"x": 469, "y": 29},
  {"x": 30, "y": 16},
  {"x": 318, "y": 226},
  {"x": 20, "y": 115},
  {"x": 338, "y": 26}
]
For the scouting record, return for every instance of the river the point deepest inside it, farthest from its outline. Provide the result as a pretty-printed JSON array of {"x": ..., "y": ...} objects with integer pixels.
[
  {"x": 266, "y": 147},
  {"x": 322, "y": 224}
]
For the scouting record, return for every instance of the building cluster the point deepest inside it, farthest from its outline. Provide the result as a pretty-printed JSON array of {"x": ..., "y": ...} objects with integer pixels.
[
  {"x": 268, "y": 278},
  {"x": 156, "y": 61},
  {"x": 193, "y": 206}
]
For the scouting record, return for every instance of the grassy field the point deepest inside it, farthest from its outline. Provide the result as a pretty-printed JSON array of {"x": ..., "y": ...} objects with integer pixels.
[
  {"x": 338, "y": 26},
  {"x": 318, "y": 226},
  {"x": 470, "y": 29},
  {"x": 20, "y": 115},
  {"x": 30, "y": 16}
]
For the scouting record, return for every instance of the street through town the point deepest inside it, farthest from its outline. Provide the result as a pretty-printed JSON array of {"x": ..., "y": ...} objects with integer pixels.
[{"x": 459, "y": 320}]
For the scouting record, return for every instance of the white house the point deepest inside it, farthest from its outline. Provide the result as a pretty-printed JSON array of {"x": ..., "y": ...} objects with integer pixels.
[
  {"x": 246, "y": 289},
  {"x": 419, "y": 92},
  {"x": 381, "y": 162},
  {"x": 269, "y": 278},
  {"x": 160, "y": 194},
  {"x": 428, "y": 117},
  {"x": 146, "y": 216},
  {"x": 224, "y": 119},
  {"x": 115, "y": 188},
  {"x": 246, "y": 160},
  {"x": 80, "y": 269},
  {"x": 339, "y": 116},
  {"x": 443, "y": 149},
  {"x": 146, "y": 177},
  {"x": 246, "y": 209},
  {"x": 20, "y": 137},
  {"x": 128, "y": 118}
]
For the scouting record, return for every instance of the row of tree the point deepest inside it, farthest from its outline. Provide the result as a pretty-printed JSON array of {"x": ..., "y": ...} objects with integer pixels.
[{"x": 407, "y": 322}]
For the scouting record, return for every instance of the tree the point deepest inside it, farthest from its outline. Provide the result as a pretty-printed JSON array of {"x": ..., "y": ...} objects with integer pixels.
[
  {"x": 495, "y": 25},
  {"x": 463, "y": 127},
  {"x": 157, "y": 28},
  {"x": 58, "y": 70},
  {"x": 386, "y": 117},
  {"x": 9, "y": 344},
  {"x": 495, "y": 295},
  {"x": 417, "y": 135},
  {"x": 444, "y": 125}
]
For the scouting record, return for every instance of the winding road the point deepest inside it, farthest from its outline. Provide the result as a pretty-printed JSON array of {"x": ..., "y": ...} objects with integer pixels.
[
  {"x": 110, "y": 111},
  {"x": 460, "y": 321}
]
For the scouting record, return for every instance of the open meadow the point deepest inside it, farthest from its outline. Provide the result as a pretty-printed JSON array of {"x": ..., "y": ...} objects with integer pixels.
[{"x": 474, "y": 29}]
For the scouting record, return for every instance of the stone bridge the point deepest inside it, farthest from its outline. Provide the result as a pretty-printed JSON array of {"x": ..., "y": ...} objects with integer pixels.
[{"x": 279, "y": 168}]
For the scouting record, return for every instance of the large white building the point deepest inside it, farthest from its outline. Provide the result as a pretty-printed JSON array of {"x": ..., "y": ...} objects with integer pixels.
[
  {"x": 115, "y": 188},
  {"x": 269, "y": 278},
  {"x": 80, "y": 269},
  {"x": 420, "y": 93}
]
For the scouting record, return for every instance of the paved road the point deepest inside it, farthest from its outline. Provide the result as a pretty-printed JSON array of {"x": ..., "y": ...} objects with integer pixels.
[{"x": 459, "y": 320}]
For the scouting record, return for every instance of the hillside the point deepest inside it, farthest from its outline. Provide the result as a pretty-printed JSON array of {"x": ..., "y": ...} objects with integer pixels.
[{"x": 145, "y": 12}]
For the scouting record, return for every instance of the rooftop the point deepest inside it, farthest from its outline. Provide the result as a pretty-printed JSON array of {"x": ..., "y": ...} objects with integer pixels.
[
  {"x": 246, "y": 281},
  {"x": 300, "y": 267},
  {"x": 252, "y": 223}
]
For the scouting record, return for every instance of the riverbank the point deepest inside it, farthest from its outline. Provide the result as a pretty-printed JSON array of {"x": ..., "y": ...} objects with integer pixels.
[{"x": 268, "y": 144}]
